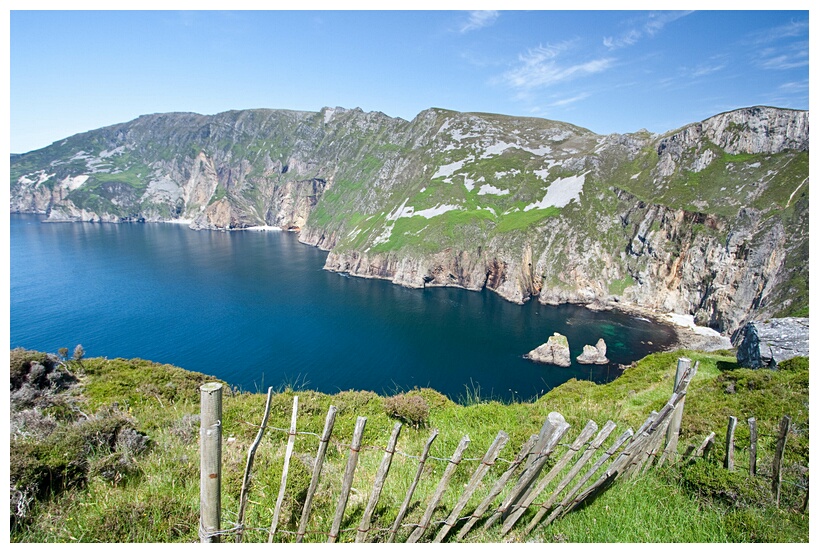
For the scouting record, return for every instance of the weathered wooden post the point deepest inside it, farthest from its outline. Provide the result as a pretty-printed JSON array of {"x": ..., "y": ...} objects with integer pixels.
[
  {"x": 449, "y": 471},
  {"x": 380, "y": 478},
  {"x": 402, "y": 511},
  {"x": 784, "y": 427},
  {"x": 347, "y": 482},
  {"x": 249, "y": 467},
  {"x": 291, "y": 438},
  {"x": 729, "y": 443},
  {"x": 672, "y": 433},
  {"x": 210, "y": 461},
  {"x": 752, "y": 446},
  {"x": 329, "y": 422}
]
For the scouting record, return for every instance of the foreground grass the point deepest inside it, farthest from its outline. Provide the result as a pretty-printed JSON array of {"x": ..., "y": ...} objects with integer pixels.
[{"x": 156, "y": 499}]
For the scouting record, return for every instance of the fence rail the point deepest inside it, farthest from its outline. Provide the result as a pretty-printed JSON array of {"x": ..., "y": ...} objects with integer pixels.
[{"x": 653, "y": 444}]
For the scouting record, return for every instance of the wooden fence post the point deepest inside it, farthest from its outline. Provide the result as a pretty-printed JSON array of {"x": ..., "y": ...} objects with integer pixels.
[
  {"x": 729, "y": 444},
  {"x": 784, "y": 427},
  {"x": 579, "y": 442},
  {"x": 210, "y": 462},
  {"x": 557, "y": 427},
  {"x": 249, "y": 467},
  {"x": 499, "y": 485},
  {"x": 607, "y": 429},
  {"x": 405, "y": 505},
  {"x": 329, "y": 421},
  {"x": 568, "y": 500},
  {"x": 706, "y": 447},
  {"x": 673, "y": 432},
  {"x": 439, "y": 492},
  {"x": 347, "y": 482},
  {"x": 380, "y": 477},
  {"x": 486, "y": 463},
  {"x": 752, "y": 446},
  {"x": 291, "y": 438}
]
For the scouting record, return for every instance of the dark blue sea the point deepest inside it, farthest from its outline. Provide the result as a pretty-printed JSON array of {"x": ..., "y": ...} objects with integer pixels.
[{"x": 256, "y": 310}]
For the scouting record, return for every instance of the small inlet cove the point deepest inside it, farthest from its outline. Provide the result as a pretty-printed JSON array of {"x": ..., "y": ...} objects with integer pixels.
[{"x": 256, "y": 309}]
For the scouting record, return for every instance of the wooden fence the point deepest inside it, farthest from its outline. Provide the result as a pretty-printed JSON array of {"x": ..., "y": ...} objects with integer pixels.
[
  {"x": 591, "y": 472},
  {"x": 778, "y": 458}
]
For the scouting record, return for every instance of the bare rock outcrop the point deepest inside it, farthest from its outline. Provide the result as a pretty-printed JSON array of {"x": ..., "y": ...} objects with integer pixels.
[
  {"x": 766, "y": 343},
  {"x": 594, "y": 355},
  {"x": 554, "y": 352}
]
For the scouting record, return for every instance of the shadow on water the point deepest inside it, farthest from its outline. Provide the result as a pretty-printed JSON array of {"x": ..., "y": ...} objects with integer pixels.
[{"x": 257, "y": 309}]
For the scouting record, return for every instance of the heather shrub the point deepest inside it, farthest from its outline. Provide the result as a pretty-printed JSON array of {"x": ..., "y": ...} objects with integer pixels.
[{"x": 410, "y": 408}]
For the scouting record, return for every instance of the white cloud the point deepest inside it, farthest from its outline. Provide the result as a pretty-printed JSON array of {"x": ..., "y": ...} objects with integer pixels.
[
  {"x": 789, "y": 56},
  {"x": 649, "y": 26},
  {"x": 794, "y": 86},
  {"x": 567, "y": 101},
  {"x": 788, "y": 30},
  {"x": 479, "y": 19},
  {"x": 539, "y": 67}
]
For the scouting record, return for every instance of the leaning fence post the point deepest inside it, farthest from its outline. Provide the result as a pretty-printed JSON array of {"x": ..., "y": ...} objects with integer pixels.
[
  {"x": 729, "y": 443},
  {"x": 402, "y": 511},
  {"x": 329, "y": 422},
  {"x": 291, "y": 438},
  {"x": 487, "y": 461},
  {"x": 347, "y": 482},
  {"x": 210, "y": 461},
  {"x": 380, "y": 477},
  {"x": 499, "y": 485},
  {"x": 249, "y": 467},
  {"x": 784, "y": 426},
  {"x": 752, "y": 447},
  {"x": 673, "y": 431},
  {"x": 439, "y": 491}
]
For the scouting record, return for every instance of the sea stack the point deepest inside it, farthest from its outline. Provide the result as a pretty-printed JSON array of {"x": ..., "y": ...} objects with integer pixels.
[
  {"x": 594, "y": 355},
  {"x": 554, "y": 352}
]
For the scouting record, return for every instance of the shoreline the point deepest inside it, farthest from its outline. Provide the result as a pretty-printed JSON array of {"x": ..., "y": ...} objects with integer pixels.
[{"x": 689, "y": 335}]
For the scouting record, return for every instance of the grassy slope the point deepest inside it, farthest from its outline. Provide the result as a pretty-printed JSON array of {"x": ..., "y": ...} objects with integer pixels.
[{"x": 158, "y": 502}]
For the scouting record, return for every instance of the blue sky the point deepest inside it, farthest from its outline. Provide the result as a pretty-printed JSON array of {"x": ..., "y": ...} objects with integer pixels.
[{"x": 616, "y": 71}]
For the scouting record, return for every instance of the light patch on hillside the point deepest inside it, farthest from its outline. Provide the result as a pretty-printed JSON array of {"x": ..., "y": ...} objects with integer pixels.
[
  {"x": 405, "y": 210},
  {"x": 80, "y": 155},
  {"x": 397, "y": 212},
  {"x": 434, "y": 211},
  {"x": 72, "y": 183},
  {"x": 449, "y": 169},
  {"x": 114, "y": 152},
  {"x": 496, "y": 149},
  {"x": 512, "y": 172},
  {"x": 328, "y": 114},
  {"x": 384, "y": 237},
  {"x": 560, "y": 192},
  {"x": 542, "y": 151},
  {"x": 489, "y": 189},
  {"x": 458, "y": 136},
  {"x": 41, "y": 176},
  {"x": 163, "y": 189},
  {"x": 469, "y": 184},
  {"x": 635, "y": 175}
]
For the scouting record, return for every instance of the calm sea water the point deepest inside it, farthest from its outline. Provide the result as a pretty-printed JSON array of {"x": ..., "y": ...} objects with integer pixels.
[{"x": 257, "y": 310}]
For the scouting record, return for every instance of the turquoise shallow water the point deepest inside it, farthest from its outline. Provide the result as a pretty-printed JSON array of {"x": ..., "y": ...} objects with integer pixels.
[{"x": 257, "y": 310}]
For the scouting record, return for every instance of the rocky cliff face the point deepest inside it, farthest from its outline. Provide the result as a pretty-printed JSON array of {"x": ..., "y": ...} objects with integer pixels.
[{"x": 708, "y": 220}]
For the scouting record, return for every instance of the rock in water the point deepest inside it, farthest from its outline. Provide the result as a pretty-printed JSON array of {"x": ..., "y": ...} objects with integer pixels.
[
  {"x": 594, "y": 355},
  {"x": 554, "y": 352},
  {"x": 766, "y": 343}
]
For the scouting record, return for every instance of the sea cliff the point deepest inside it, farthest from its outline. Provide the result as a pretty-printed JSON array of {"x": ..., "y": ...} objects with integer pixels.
[{"x": 709, "y": 220}]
